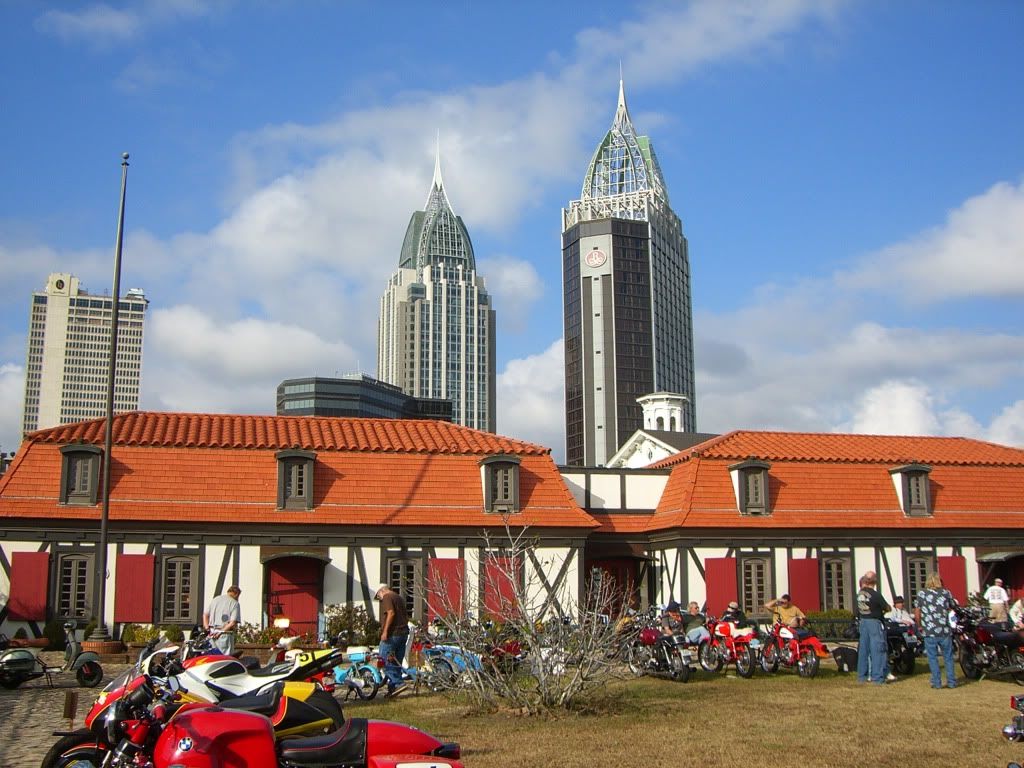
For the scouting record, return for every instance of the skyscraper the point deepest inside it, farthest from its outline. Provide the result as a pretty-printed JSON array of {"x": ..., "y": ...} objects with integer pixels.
[
  {"x": 626, "y": 296},
  {"x": 436, "y": 329},
  {"x": 69, "y": 354}
]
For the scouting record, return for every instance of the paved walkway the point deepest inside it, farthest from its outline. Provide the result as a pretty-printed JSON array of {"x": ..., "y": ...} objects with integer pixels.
[{"x": 30, "y": 713}]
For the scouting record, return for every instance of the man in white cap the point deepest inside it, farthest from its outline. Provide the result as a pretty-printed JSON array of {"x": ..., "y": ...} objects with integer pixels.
[
  {"x": 998, "y": 601},
  {"x": 394, "y": 634}
]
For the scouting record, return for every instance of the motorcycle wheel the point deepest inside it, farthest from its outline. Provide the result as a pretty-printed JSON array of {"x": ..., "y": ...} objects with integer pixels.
[
  {"x": 808, "y": 664},
  {"x": 89, "y": 674},
  {"x": 968, "y": 664},
  {"x": 362, "y": 683},
  {"x": 442, "y": 677},
  {"x": 745, "y": 662},
  {"x": 636, "y": 660},
  {"x": 79, "y": 749},
  {"x": 770, "y": 659},
  {"x": 10, "y": 683},
  {"x": 1017, "y": 659},
  {"x": 710, "y": 657},
  {"x": 680, "y": 669},
  {"x": 903, "y": 662}
]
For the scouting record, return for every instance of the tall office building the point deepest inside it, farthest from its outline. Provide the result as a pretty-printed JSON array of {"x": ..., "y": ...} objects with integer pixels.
[
  {"x": 69, "y": 353},
  {"x": 436, "y": 329},
  {"x": 626, "y": 297}
]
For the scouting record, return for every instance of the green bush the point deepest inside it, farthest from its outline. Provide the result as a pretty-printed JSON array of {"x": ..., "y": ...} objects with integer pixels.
[
  {"x": 53, "y": 631},
  {"x": 833, "y": 614},
  {"x": 89, "y": 629},
  {"x": 351, "y": 625},
  {"x": 172, "y": 632}
]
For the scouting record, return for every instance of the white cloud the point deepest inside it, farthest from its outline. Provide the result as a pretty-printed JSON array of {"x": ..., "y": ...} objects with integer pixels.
[
  {"x": 978, "y": 251},
  {"x": 101, "y": 24},
  {"x": 1008, "y": 427},
  {"x": 531, "y": 393},
  {"x": 230, "y": 367},
  {"x": 515, "y": 286},
  {"x": 12, "y": 394}
]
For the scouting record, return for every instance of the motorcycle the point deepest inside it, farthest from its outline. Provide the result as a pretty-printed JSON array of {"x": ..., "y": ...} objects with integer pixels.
[
  {"x": 1015, "y": 730},
  {"x": 19, "y": 662},
  {"x": 729, "y": 644},
  {"x": 360, "y": 676},
  {"x": 793, "y": 648},
  {"x": 291, "y": 713},
  {"x": 903, "y": 646},
  {"x": 987, "y": 648},
  {"x": 648, "y": 651},
  {"x": 152, "y": 729}
]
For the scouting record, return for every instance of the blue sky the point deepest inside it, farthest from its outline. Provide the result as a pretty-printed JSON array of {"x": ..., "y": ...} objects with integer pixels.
[{"x": 850, "y": 177}]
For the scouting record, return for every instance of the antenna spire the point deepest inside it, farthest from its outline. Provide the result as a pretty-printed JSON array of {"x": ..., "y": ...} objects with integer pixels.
[{"x": 437, "y": 161}]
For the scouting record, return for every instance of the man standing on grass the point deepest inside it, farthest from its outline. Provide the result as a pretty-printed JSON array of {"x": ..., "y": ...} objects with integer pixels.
[
  {"x": 998, "y": 601},
  {"x": 394, "y": 634},
  {"x": 931, "y": 611},
  {"x": 872, "y": 660}
]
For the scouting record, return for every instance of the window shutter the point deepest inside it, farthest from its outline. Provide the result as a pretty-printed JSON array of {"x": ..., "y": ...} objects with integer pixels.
[
  {"x": 30, "y": 584},
  {"x": 133, "y": 593},
  {"x": 719, "y": 583},
  {"x": 953, "y": 570},
  {"x": 498, "y": 587},
  {"x": 804, "y": 584},
  {"x": 446, "y": 579}
]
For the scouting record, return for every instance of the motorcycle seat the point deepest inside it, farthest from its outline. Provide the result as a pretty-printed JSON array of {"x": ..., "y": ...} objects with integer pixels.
[
  {"x": 345, "y": 746},
  {"x": 263, "y": 704},
  {"x": 1009, "y": 639},
  {"x": 271, "y": 669}
]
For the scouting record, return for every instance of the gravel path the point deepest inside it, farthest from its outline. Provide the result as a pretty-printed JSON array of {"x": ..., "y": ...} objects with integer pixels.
[{"x": 32, "y": 712}]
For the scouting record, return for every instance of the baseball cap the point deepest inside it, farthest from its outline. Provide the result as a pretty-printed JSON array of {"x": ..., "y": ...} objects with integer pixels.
[
  {"x": 734, "y": 605},
  {"x": 672, "y": 607}
]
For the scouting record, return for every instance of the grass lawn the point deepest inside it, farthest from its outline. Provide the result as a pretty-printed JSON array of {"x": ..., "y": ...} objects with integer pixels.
[{"x": 779, "y": 720}]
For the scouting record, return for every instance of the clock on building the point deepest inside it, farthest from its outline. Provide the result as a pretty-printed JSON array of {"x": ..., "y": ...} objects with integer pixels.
[{"x": 596, "y": 258}]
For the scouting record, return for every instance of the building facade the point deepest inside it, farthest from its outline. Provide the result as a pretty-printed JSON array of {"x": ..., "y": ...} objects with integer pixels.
[
  {"x": 355, "y": 395},
  {"x": 68, "y": 356},
  {"x": 626, "y": 297},
  {"x": 437, "y": 324},
  {"x": 304, "y": 513}
]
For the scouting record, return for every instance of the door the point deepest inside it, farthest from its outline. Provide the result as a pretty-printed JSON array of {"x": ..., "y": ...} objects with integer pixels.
[
  {"x": 295, "y": 590},
  {"x": 618, "y": 581}
]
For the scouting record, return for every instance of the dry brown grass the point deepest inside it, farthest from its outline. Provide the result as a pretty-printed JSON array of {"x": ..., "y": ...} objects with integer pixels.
[{"x": 778, "y": 720}]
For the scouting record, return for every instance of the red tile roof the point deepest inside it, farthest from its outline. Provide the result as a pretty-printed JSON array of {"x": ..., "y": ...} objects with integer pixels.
[
  {"x": 211, "y": 430},
  {"x": 212, "y": 468},
  {"x": 843, "y": 481},
  {"x": 835, "y": 447}
]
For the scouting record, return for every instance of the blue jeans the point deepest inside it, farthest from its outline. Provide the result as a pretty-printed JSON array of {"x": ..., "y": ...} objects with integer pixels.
[
  {"x": 871, "y": 657},
  {"x": 698, "y": 635},
  {"x": 392, "y": 651},
  {"x": 932, "y": 646}
]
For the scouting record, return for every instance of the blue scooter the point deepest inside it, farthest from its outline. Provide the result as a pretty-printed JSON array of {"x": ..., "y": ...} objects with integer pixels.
[{"x": 360, "y": 677}]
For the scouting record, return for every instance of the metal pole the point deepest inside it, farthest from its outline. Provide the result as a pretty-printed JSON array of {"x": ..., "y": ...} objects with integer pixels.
[{"x": 100, "y": 633}]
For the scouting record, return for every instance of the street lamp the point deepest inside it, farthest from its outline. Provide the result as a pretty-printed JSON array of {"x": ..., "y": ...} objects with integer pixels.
[{"x": 100, "y": 632}]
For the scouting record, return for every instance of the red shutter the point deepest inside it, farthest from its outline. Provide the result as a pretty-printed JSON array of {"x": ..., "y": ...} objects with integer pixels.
[
  {"x": 953, "y": 570},
  {"x": 30, "y": 584},
  {"x": 446, "y": 579},
  {"x": 133, "y": 593},
  {"x": 499, "y": 588},
  {"x": 719, "y": 583},
  {"x": 804, "y": 584}
]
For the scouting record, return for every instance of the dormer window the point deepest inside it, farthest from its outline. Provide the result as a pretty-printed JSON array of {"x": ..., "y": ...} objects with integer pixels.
[
  {"x": 913, "y": 488},
  {"x": 295, "y": 479},
  {"x": 80, "y": 474},
  {"x": 750, "y": 484},
  {"x": 500, "y": 477}
]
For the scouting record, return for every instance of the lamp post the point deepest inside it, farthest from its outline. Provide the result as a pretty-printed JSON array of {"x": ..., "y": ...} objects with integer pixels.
[{"x": 100, "y": 633}]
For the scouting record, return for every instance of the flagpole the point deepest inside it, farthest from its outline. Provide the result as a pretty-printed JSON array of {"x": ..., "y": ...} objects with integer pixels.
[{"x": 100, "y": 633}]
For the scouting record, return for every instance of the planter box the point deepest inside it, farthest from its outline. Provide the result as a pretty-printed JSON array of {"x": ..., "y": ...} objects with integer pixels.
[{"x": 104, "y": 647}]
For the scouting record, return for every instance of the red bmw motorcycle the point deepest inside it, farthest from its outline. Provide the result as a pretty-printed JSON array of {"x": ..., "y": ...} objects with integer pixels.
[
  {"x": 729, "y": 644},
  {"x": 793, "y": 648},
  {"x": 150, "y": 729},
  {"x": 987, "y": 648}
]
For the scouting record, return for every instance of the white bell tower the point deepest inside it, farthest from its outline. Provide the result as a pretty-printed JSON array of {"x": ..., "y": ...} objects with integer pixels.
[{"x": 664, "y": 411}]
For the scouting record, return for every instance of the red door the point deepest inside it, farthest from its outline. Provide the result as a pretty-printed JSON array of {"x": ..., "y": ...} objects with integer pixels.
[
  {"x": 621, "y": 584},
  {"x": 295, "y": 590}
]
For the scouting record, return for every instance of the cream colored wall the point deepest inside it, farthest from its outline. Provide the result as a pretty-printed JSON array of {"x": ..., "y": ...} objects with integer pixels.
[{"x": 605, "y": 492}]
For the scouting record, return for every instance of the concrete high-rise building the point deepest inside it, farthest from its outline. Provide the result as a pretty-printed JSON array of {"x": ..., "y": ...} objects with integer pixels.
[
  {"x": 436, "y": 329},
  {"x": 626, "y": 297},
  {"x": 69, "y": 354}
]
